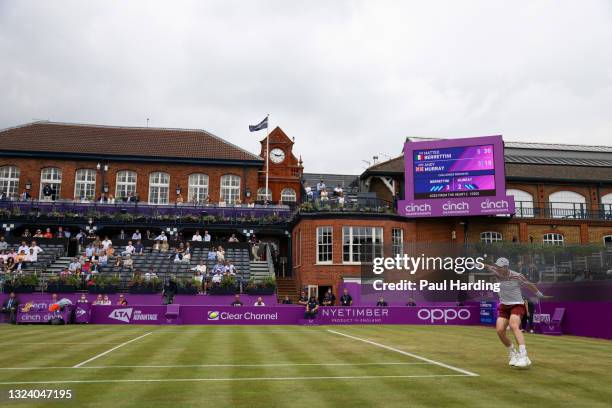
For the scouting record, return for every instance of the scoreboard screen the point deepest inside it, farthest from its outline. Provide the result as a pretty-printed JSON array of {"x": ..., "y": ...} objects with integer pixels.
[{"x": 463, "y": 171}]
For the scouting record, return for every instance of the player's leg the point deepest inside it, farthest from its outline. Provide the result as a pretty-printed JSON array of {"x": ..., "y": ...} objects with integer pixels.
[
  {"x": 515, "y": 325},
  {"x": 500, "y": 327}
]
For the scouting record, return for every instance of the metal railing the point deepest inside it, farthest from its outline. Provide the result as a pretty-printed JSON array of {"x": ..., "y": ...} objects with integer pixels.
[{"x": 538, "y": 209}]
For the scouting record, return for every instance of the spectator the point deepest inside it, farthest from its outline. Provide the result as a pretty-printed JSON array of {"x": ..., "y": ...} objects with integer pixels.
[
  {"x": 103, "y": 259},
  {"x": 26, "y": 234},
  {"x": 161, "y": 237},
  {"x": 201, "y": 267},
  {"x": 136, "y": 236},
  {"x": 107, "y": 243},
  {"x": 207, "y": 236},
  {"x": 287, "y": 300},
  {"x": 156, "y": 246},
  {"x": 83, "y": 299},
  {"x": 259, "y": 302},
  {"x": 179, "y": 198},
  {"x": 47, "y": 192},
  {"x": 324, "y": 195},
  {"x": 31, "y": 256},
  {"x": 98, "y": 300},
  {"x": 165, "y": 246},
  {"x": 38, "y": 234},
  {"x": 197, "y": 237},
  {"x": 122, "y": 301},
  {"x": 219, "y": 268},
  {"x": 320, "y": 186},
  {"x": 48, "y": 234},
  {"x": 34, "y": 247},
  {"x": 10, "y": 307},
  {"x": 139, "y": 248},
  {"x": 23, "y": 248},
  {"x": 212, "y": 254},
  {"x": 220, "y": 254},
  {"x": 74, "y": 266},
  {"x": 312, "y": 307},
  {"x": 178, "y": 256},
  {"x": 3, "y": 244},
  {"x": 149, "y": 235},
  {"x": 329, "y": 299},
  {"x": 129, "y": 249},
  {"x": 230, "y": 269},
  {"x": 106, "y": 301},
  {"x": 411, "y": 302},
  {"x": 346, "y": 299},
  {"x": 128, "y": 263},
  {"x": 236, "y": 301},
  {"x": 381, "y": 302},
  {"x": 187, "y": 253},
  {"x": 233, "y": 238},
  {"x": 122, "y": 236},
  {"x": 303, "y": 299}
]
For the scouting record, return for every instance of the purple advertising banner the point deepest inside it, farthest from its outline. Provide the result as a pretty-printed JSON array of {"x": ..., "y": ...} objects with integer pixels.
[
  {"x": 455, "y": 177},
  {"x": 399, "y": 315}
]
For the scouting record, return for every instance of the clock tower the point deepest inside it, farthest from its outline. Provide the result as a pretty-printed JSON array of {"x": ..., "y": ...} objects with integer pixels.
[{"x": 285, "y": 180}]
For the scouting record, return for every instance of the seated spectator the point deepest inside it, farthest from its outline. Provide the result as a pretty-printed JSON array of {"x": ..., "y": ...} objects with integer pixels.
[
  {"x": 23, "y": 247},
  {"x": 156, "y": 246},
  {"x": 161, "y": 237},
  {"x": 236, "y": 301},
  {"x": 259, "y": 302},
  {"x": 219, "y": 268},
  {"x": 324, "y": 195},
  {"x": 303, "y": 299},
  {"x": 329, "y": 299},
  {"x": 312, "y": 307},
  {"x": 3, "y": 244},
  {"x": 198, "y": 279},
  {"x": 136, "y": 236},
  {"x": 128, "y": 263},
  {"x": 212, "y": 255},
  {"x": 187, "y": 253},
  {"x": 129, "y": 249},
  {"x": 201, "y": 267},
  {"x": 122, "y": 236},
  {"x": 118, "y": 262},
  {"x": 26, "y": 233},
  {"x": 346, "y": 299},
  {"x": 31, "y": 256},
  {"x": 122, "y": 301},
  {"x": 48, "y": 234},
  {"x": 216, "y": 278},
  {"x": 233, "y": 238},
  {"x": 21, "y": 256},
  {"x": 207, "y": 236},
  {"x": 107, "y": 243},
  {"x": 89, "y": 251},
  {"x": 106, "y": 301},
  {"x": 9, "y": 265},
  {"x": 381, "y": 302},
  {"x": 74, "y": 266},
  {"x": 110, "y": 251},
  {"x": 39, "y": 234},
  {"x": 83, "y": 299},
  {"x": 164, "y": 246},
  {"x": 230, "y": 269},
  {"x": 220, "y": 254},
  {"x": 60, "y": 233},
  {"x": 287, "y": 301},
  {"x": 98, "y": 300},
  {"x": 341, "y": 200},
  {"x": 138, "y": 248},
  {"x": 411, "y": 302},
  {"x": 149, "y": 235},
  {"x": 37, "y": 250},
  {"x": 196, "y": 236}
]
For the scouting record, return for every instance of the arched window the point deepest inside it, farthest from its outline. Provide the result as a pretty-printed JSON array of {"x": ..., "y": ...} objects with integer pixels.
[
  {"x": 567, "y": 204},
  {"x": 606, "y": 203},
  {"x": 198, "y": 188},
  {"x": 262, "y": 196},
  {"x": 288, "y": 195},
  {"x": 126, "y": 184},
  {"x": 85, "y": 184},
  {"x": 553, "y": 239},
  {"x": 488, "y": 237},
  {"x": 607, "y": 239},
  {"x": 159, "y": 188},
  {"x": 9, "y": 181},
  {"x": 52, "y": 177},
  {"x": 230, "y": 189},
  {"x": 523, "y": 202}
]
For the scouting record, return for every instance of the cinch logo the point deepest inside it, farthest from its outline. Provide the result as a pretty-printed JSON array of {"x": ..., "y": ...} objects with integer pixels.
[
  {"x": 434, "y": 315},
  {"x": 450, "y": 206},
  {"x": 412, "y": 207},
  {"x": 123, "y": 315},
  {"x": 488, "y": 204},
  {"x": 213, "y": 315}
]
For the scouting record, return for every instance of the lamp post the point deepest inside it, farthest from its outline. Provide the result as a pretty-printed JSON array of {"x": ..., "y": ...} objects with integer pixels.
[{"x": 103, "y": 168}]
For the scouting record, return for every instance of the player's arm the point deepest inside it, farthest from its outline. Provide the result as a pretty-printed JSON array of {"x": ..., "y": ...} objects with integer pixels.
[
  {"x": 491, "y": 268},
  {"x": 532, "y": 287}
]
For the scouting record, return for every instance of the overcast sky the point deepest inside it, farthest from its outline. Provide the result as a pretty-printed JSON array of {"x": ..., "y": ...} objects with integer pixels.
[{"x": 347, "y": 79}]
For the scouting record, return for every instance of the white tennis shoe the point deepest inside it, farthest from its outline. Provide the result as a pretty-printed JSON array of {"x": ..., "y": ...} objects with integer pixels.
[
  {"x": 523, "y": 362},
  {"x": 514, "y": 357}
]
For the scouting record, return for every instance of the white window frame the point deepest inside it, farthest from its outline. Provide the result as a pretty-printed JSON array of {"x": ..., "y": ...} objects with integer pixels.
[
  {"x": 124, "y": 184},
  {"x": 159, "y": 188},
  {"x": 352, "y": 232},
  {"x": 553, "y": 238},
  {"x": 85, "y": 182},
  {"x": 229, "y": 191},
  {"x": 288, "y": 195},
  {"x": 609, "y": 238},
  {"x": 9, "y": 181},
  {"x": 198, "y": 187},
  {"x": 490, "y": 237},
  {"x": 606, "y": 204},
  {"x": 261, "y": 194},
  {"x": 53, "y": 177},
  {"x": 523, "y": 201},
  {"x": 325, "y": 245},
  {"x": 567, "y": 204},
  {"x": 397, "y": 241}
]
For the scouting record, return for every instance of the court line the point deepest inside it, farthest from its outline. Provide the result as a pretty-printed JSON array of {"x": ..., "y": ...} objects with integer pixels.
[
  {"x": 41, "y": 343},
  {"x": 217, "y": 365},
  {"x": 113, "y": 349},
  {"x": 450, "y": 367},
  {"x": 232, "y": 379}
]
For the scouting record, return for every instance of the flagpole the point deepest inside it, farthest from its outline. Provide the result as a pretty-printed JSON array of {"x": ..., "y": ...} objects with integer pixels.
[{"x": 267, "y": 156}]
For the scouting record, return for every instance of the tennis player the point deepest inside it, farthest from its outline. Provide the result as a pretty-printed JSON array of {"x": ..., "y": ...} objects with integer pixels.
[{"x": 511, "y": 309}]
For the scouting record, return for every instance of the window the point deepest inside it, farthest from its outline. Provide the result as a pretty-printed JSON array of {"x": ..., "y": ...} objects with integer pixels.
[
  {"x": 397, "y": 241},
  {"x": 324, "y": 245},
  {"x": 553, "y": 239},
  {"x": 198, "y": 188},
  {"x": 85, "y": 184},
  {"x": 567, "y": 204},
  {"x": 361, "y": 244},
  {"x": 230, "y": 188},
  {"x": 126, "y": 183},
  {"x": 52, "y": 177},
  {"x": 523, "y": 202},
  {"x": 262, "y": 196},
  {"x": 159, "y": 188},
  {"x": 606, "y": 203},
  {"x": 288, "y": 195},
  {"x": 9, "y": 181},
  {"x": 489, "y": 237},
  {"x": 607, "y": 240}
]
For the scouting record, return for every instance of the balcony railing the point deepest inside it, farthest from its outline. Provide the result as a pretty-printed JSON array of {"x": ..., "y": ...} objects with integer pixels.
[{"x": 530, "y": 209}]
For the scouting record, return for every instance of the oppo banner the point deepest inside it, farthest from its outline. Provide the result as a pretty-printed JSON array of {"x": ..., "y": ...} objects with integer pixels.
[{"x": 455, "y": 177}]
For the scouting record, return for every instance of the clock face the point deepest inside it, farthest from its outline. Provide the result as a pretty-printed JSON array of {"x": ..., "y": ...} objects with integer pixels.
[{"x": 277, "y": 155}]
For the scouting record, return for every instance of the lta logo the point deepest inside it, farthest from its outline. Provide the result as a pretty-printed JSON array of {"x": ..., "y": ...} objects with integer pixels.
[{"x": 122, "y": 315}]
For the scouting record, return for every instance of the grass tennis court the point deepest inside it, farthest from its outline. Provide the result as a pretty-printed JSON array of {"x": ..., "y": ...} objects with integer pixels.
[{"x": 288, "y": 366}]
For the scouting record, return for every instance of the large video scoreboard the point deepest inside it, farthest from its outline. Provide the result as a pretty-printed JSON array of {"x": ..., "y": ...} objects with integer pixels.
[{"x": 455, "y": 177}]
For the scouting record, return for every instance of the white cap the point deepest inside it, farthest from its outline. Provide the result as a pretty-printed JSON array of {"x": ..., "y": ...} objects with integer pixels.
[{"x": 501, "y": 262}]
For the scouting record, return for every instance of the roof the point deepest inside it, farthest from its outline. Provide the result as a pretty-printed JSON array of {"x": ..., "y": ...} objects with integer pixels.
[
  {"x": 536, "y": 161},
  {"x": 64, "y": 139},
  {"x": 331, "y": 180}
]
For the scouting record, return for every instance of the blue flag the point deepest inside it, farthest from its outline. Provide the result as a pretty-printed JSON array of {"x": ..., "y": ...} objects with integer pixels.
[{"x": 261, "y": 125}]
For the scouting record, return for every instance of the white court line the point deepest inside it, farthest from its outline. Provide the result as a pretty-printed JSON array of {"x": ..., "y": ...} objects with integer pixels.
[
  {"x": 83, "y": 343},
  {"x": 156, "y": 380},
  {"x": 450, "y": 367},
  {"x": 113, "y": 349},
  {"x": 216, "y": 365}
]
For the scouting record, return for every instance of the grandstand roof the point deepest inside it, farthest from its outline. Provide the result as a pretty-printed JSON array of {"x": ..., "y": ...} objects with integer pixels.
[{"x": 66, "y": 139}]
